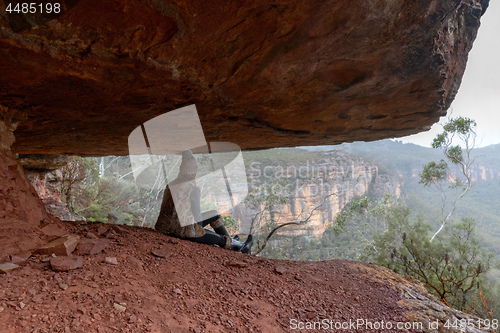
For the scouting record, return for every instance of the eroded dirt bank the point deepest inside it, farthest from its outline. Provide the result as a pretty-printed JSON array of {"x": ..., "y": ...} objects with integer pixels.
[{"x": 194, "y": 288}]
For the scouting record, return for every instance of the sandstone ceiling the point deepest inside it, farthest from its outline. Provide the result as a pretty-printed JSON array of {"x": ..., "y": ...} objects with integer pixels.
[{"x": 262, "y": 73}]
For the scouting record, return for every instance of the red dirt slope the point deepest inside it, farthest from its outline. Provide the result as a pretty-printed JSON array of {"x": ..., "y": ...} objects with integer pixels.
[{"x": 197, "y": 288}]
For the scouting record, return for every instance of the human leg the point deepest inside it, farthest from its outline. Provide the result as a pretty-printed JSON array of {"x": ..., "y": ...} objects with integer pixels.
[
  {"x": 208, "y": 221},
  {"x": 216, "y": 223},
  {"x": 211, "y": 238}
]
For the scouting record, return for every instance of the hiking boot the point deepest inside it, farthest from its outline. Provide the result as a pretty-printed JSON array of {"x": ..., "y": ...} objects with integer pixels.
[{"x": 246, "y": 247}]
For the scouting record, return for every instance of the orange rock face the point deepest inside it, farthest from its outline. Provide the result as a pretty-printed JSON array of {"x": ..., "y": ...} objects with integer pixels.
[
  {"x": 262, "y": 74},
  {"x": 21, "y": 211}
]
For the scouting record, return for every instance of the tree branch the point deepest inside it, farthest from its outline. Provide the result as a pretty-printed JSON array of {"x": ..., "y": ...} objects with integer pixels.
[{"x": 299, "y": 222}]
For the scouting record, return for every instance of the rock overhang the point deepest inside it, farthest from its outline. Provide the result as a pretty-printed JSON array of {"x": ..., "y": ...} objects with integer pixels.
[{"x": 262, "y": 75}]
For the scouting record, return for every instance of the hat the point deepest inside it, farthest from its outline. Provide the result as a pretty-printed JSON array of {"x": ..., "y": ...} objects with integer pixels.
[{"x": 189, "y": 166}]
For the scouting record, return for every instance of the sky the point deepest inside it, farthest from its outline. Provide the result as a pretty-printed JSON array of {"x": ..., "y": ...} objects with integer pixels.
[{"x": 479, "y": 94}]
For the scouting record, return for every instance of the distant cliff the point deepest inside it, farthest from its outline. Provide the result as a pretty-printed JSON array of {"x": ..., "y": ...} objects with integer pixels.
[
  {"x": 329, "y": 182},
  {"x": 480, "y": 172}
]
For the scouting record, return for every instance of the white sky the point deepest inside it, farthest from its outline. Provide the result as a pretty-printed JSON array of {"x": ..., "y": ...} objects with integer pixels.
[{"x": 479, "y": 94}]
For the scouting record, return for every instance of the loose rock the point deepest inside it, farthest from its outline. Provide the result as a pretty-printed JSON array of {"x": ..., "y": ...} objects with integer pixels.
[
  {"x": 280, "y": 270},
  {"x": 102, "y": 229},
  {"x": 238, "y": 264},
  {"x": 64, "y": 264},
  {"x": 53, "y": 230},
  {"x": 111, "y": 260},
  {"x": 91, "y": 235},
  {"x": 47, "y": 259},
  {"x": 21, "y": 259},
  {"x": 119, "y": 307},
  {"x": 62, "y": 246},
  {"x": 92, "y": 246},
  {"x": 8, "y": 266},
  {"x": 162, "y": 253},
  {"x": 118, "y": 229}
]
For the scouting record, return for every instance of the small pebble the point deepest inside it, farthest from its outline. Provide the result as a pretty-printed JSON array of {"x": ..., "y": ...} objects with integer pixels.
[
  {"x": 111, "y": 260},
  {"x": 119, "y": 307}
]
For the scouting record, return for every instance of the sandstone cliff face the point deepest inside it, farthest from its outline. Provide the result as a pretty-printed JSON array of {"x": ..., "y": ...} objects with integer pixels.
[
  {"x": 328, "y": 184},
  {"x": 480, "y": 172},
  {"x": 21, "y": 211},
  {"x": 44, "y": 173},
  {"x": 47, "y": 185},
  {"x": 262, "y": 74},
  {"x": 485, "y": 172}
]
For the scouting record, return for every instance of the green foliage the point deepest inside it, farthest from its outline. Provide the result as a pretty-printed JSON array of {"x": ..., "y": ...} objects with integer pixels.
[
  {"x": 112, "y": 202},
  {"x": 463, "y": 129},
  {"x": 230, "y": 224},
  {"x": 460, "y": 126},
  {"x": 78, "y": 174},
  {"x": 455, "y": 154},
  {"x": 99, "y": 199},
  {"x": 363, "y": 214},
  {"x": 267, "y": 199},
  {"x": 453, "y": 267},
  {"x": 408, "y": 159},
  {"x": 433, "y": 173}
]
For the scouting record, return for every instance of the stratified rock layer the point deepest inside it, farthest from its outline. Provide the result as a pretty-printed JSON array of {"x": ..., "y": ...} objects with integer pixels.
[
  {"x": 21, "y": 211},
  {"x": 262, "y": 74},
  {"x": 319, "y": 187}
]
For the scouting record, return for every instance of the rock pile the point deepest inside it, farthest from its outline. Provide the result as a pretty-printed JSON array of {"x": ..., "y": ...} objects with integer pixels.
[{"x": 59, "y": 252}]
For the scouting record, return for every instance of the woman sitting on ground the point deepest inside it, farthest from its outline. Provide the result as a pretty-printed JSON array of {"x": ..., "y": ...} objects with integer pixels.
[{"x": 186, "y": 220}]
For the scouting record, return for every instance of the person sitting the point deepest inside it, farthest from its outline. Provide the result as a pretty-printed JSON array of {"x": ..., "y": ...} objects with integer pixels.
[{"x": 181, "y": 216}]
